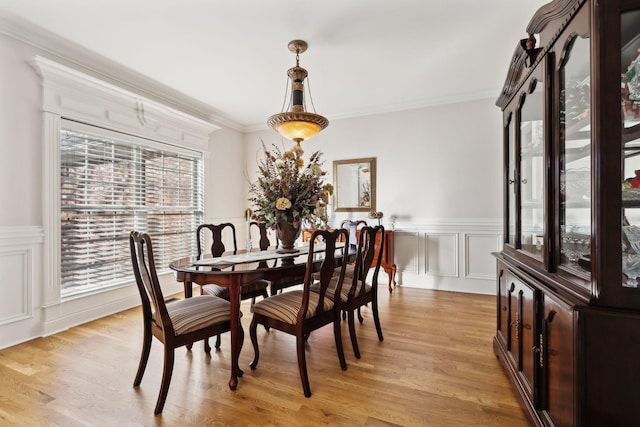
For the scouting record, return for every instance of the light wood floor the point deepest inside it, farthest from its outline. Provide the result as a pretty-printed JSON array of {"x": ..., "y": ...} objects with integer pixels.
[{"x": 435, "y": 367}]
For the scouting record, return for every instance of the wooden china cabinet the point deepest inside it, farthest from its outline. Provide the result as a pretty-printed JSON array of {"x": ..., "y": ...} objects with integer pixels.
[{"x": 568, "y": 294}]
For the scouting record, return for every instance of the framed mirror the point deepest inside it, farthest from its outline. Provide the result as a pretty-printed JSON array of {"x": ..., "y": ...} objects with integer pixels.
[{"x": 354, "y": 183}]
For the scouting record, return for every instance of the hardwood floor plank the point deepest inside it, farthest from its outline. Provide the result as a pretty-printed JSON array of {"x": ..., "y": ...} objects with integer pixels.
[{"x": 435, "y": 367}]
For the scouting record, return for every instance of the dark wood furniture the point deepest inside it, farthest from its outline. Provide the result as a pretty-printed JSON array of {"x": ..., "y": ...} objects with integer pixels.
[
  {"x": 233, "y": 276},
  {"x": 300, "y": 312},
  {"x": 175, "y": 323},
  {"x": 568, "y": 306},
  {"x": 357, "y": 291},
  {"x": 264, "y": 241},
  {"x": 250, "y": 290},
  {"x": 280, "y": 283},
  {"x": 388, "y": 262},
  {"x": 353, "y": 226}
]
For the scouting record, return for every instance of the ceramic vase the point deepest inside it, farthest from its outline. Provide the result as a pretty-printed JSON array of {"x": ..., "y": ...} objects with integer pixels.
[{"x": 287, "y": 234}]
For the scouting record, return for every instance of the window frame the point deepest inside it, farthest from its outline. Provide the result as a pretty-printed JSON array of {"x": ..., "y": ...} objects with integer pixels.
[
  {"x": 135, "y": 210},
  {"x": 70, "y": 94}
]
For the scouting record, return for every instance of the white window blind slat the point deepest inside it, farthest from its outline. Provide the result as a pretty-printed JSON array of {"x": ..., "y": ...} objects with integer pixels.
[{"x": 110, "y": 187}]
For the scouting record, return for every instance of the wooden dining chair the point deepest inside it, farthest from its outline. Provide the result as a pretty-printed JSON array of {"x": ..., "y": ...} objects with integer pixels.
[
  {"x": 247, "y": 291},
  {"x": 357, "y": 291},
  {"x": 174, "y": 323},
  {"x": 299, "y": 312},
  {"x": 353, "y": 226},
  {"x": 264, "y": 242},
  {"x": 275, "y": 285}
]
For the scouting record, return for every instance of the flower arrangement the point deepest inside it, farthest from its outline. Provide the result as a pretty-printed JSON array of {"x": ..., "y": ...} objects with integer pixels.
[{"x": 289, "y": 191}]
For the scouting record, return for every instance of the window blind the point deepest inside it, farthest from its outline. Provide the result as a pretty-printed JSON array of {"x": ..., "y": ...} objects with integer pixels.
[{"x": 111, "y": 186}]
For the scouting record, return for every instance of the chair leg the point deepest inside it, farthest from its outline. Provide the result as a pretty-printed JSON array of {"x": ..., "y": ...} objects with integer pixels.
[
  {"x": 360, "y": 318},
  {"x": 352, "y": 334},
  {"x": 218, "y": 342},
  {"x": 166, "y": 379},
  {"x": 240, "y": 336},
  {"x": 376, "y": 319},
  {"x": 207, "y": 347},
  {"x": 302, "y": 365},
  {"x": 337, "y": 334},
  {"x": 254, "y": 340},
  {"x": 265, "y": 295},
  {"x": 144, "y": 356}
]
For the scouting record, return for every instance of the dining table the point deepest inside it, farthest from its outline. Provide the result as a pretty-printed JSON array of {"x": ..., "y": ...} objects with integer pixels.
[{"x": 234, "y": 269}]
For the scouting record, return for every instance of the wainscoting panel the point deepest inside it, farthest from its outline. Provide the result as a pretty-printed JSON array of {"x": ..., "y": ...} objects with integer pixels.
[
  {"x": 442, "y": 254},
  {"x": 452, "y": 255},
  {"x": 16, "y": 301},
  {"x": 479, "y": 263},
  {"x": 21, "y": 269},
  {"x": 411, "y": 254}
]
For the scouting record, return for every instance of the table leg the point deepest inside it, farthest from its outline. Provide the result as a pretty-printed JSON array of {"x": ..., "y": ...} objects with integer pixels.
[
  {"x": 236, "y": 331},
  {"x": 188, "y": 289}
]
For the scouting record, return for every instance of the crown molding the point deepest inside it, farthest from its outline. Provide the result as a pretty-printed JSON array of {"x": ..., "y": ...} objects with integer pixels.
[
  {"x": 396, "y": 108},
  {"x": 71, "y": 54}
]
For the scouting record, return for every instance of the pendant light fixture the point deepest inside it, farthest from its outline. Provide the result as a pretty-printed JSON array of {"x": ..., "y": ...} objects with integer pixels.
[{"x": 297, "y": 124}]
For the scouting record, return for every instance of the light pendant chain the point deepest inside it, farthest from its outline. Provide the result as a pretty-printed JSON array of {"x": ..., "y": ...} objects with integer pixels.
[
  {"x": 310, "y": 97},
  {"x": 286, "y": 91}
]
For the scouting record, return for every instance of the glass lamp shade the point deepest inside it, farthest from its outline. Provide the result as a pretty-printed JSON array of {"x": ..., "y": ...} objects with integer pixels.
[{"x": 297, "y": 126}]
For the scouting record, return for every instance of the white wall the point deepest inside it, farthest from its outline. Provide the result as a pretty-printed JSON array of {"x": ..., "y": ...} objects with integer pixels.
[
  {"x": 439, "y": 187},
  {"x": 20, "y": 136},
  {"x": 438, "y": 184},
  {"x": 226, "y": 188}
]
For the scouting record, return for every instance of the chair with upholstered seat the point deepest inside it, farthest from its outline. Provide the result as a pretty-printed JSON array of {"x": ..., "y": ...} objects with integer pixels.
[
  {"x": 175, "y": 323},
  {"x": 247, "y": 291},
  {"x": 275, "y": 285},
  {"x": 353, "y": 226},
  {"x": 299, "y": 312},
  {"x": 264, "y": 242},
  {"x": 356, "y": 290},
  {"x": 250, "y": 290}
]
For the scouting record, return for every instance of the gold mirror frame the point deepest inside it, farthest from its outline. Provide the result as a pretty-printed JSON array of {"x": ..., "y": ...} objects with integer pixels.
[{"x": 354, "y": 182}]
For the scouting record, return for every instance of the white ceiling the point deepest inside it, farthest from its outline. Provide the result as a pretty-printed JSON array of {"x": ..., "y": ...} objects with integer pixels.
[{"x": 364, "y": 57}]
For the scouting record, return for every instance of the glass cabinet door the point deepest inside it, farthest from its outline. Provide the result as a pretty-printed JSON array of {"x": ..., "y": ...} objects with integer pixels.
[
  {"x": 575, "y": 157},
  {"x": 630, "y": 93},
  {"x": 532, "y": 170}
]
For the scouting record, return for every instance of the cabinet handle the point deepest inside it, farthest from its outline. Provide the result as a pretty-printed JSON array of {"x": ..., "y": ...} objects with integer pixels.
[
  {"x": 512, "y": 181},
  {"x": 516, "y": 325},
  {"x": 524, "y": 181},
  {"x": 541, "y": 356}
]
